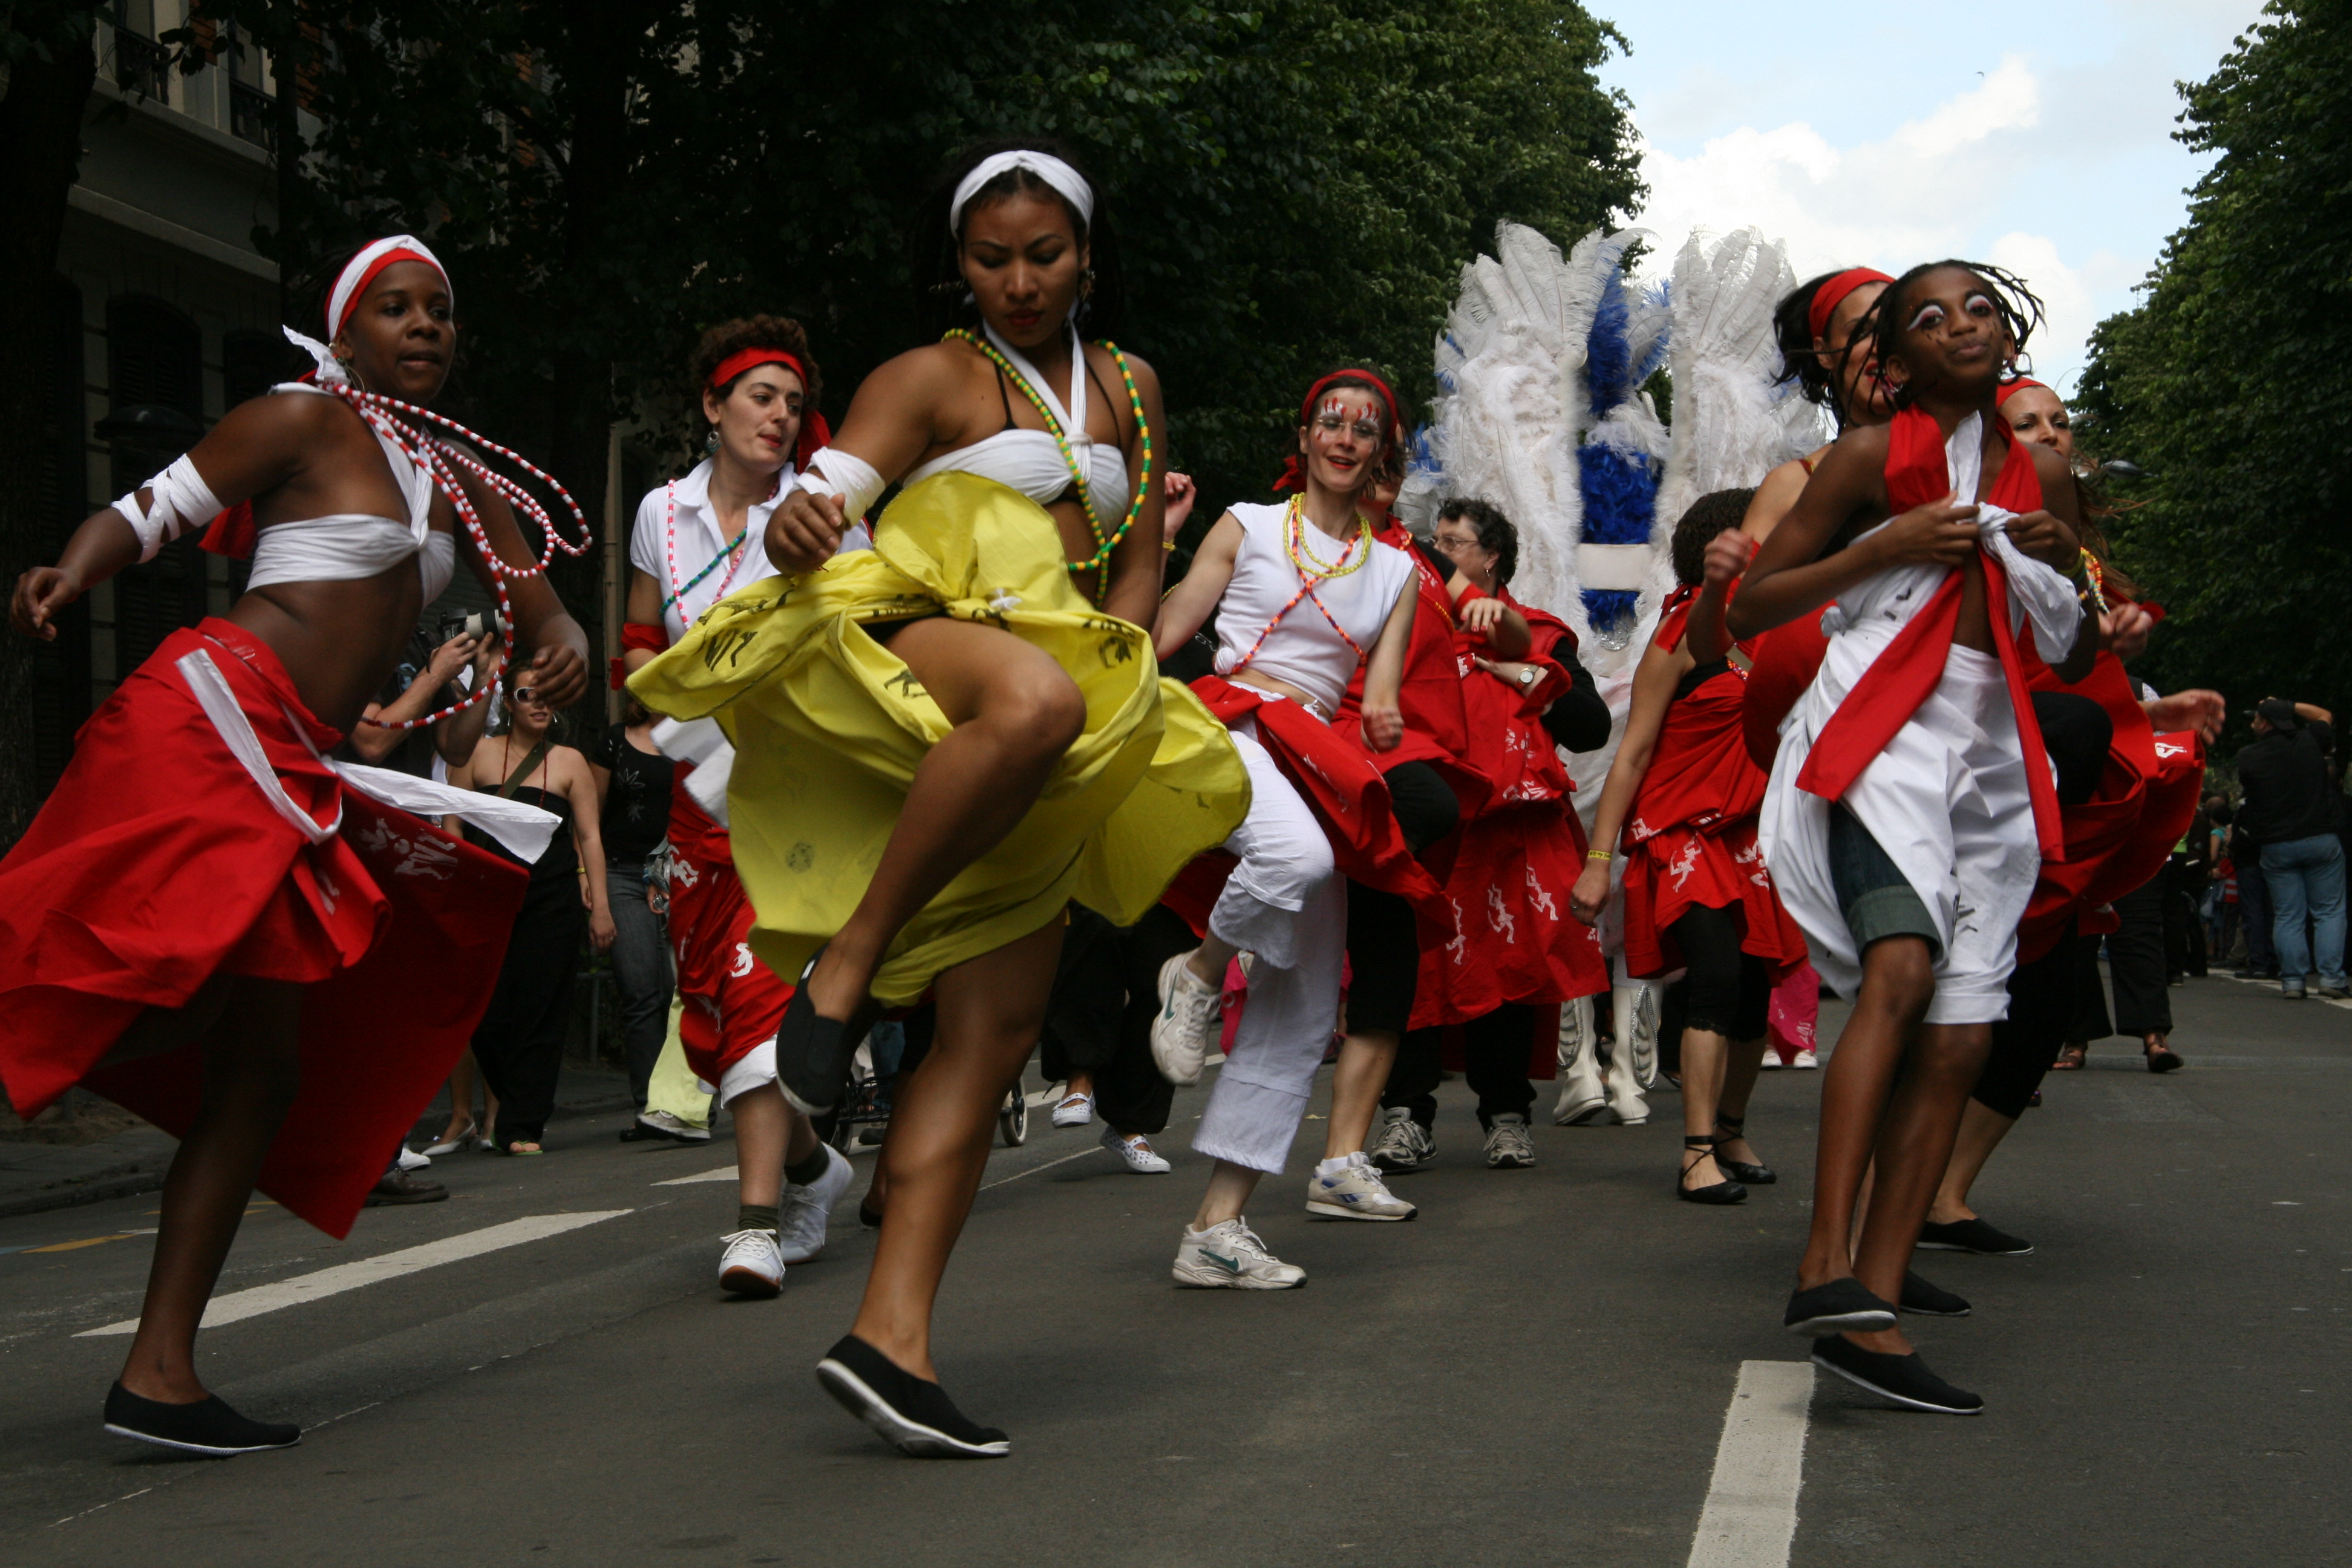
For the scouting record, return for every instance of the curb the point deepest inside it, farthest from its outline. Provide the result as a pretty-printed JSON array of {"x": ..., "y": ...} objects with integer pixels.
[{"x": 121, "y": 1182}]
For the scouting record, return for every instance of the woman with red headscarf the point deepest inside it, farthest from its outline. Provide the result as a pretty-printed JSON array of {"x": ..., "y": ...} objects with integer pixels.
[{"x": 208, "y": 921}]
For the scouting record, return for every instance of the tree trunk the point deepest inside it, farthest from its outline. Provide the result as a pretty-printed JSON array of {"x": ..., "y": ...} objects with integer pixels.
[{"x": 40, "y": 157}]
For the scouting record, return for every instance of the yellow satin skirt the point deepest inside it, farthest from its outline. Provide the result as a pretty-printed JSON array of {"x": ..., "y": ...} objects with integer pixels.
[{"x": 829, "y": 726}]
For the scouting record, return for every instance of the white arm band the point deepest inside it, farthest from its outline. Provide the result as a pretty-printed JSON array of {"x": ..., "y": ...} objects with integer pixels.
[
  {"x": 834, "y": 472},
  {"x": 180, "y": 500}
]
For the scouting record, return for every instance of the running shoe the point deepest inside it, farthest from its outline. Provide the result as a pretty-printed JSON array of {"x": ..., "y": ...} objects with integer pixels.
[
  {"x": 801, "y": 1222},
  {"x": 912, "y": 1415},
  {"x": 1902, "y": 1380},
  {"x": 662, "y": 1124},
  {"x": 409, "y": 1159},
  {"x": 1403, "y": 1144},
  {"x": 1136, "y": 1151},
  {"x": 752, "y": 1264},
  {"x": 1973, "y": 1234},
  {"x": 1806, "y": 1061},
  {"x": 1073, "y": 1110},
  {"x": 1508, "y": 1147},
  {"x": 208, "y": 1426},
  {"x": 1229, "y": 1256},
  {"x": 1191, "y": 1019},
  {"x": 1772, "y": 1061},
  {"x": 1355, "y": 1191}
]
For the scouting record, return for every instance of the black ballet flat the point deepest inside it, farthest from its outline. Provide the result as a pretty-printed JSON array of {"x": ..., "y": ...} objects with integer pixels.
[
  {"x": 912, "y": 1415},
  {"x": 813, "y": 1053},
  {"x": 1734, "y": 1129},
  {"x": 1836, "y": 1307},
  {"x": 1902, "y": 1380},
  {"x": 1931, "y": 1300},
  {"x": 1717, "y": 1194},
  {"x": 208, "y": 1426}
]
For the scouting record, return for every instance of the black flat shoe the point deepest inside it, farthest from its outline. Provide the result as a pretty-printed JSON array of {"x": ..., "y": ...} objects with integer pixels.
[
  {"x": 1835, "y": 1306},
  {"x": 1930, "y": 1300},
  {"x": 1902, "y": 1380},
  {"x": 1717, "y": 1194},
  {"x": 912, "y": 1415},
  {"x": 208, "y": 1426},
  {"x": 1973, "y": 1235},
  {"x": 1734, "y": 1128},
  {"x": 813, "y": 1053}
]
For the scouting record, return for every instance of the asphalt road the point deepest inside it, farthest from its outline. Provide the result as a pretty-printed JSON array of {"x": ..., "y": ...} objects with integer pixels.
[{"x": 1535, "y": 1371}]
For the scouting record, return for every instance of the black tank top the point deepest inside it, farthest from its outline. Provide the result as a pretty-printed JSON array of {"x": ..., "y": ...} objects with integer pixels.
[{"x": 561, "y": 858}]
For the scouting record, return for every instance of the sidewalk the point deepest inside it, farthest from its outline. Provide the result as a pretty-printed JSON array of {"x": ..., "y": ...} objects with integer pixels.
[{"x": 36, "y": 1177}]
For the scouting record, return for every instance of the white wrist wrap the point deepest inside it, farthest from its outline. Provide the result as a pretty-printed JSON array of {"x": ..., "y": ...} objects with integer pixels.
[
  {"x": 834, "y": 472},
  {"x": 179, "y": 500}
]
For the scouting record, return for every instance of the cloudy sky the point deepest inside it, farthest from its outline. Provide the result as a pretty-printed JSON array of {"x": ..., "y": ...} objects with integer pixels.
[{"x": 2031, "y": 134}]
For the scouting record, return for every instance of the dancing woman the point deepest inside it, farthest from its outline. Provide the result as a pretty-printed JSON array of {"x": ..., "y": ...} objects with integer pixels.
[
  {"x": 1911, "y": 800},
  {"x": 696, "y": 541},
  {"x": 248, "y": 921},
  {"x": 899, "y": 713},
  {"x": 1304, "y": 595}
]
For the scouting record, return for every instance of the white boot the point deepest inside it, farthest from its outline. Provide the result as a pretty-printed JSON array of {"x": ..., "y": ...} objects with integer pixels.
[
  {"x": 1581, "y": 1096},
  {"x": 1636, "y": 1045}
]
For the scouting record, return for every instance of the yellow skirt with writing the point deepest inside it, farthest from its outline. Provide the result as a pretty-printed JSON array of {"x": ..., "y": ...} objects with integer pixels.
[{"x": 829, "y": 726}]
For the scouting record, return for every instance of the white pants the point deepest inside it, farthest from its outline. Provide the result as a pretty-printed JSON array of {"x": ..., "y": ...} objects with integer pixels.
[{"x": 1287, "y": 905}]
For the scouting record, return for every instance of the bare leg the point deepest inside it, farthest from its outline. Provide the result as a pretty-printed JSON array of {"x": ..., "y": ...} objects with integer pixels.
[
  {"x": 990, "y": 1009},
  {"x": 252, "y": 1068},
  {"x": 1743, "y": 1061},
  {"x": 461, "y": 1098},
  {"x": 1015, "y": 713},
  {"x": 1357, "y": 1080},
  {"x": 1229, "y": 1186},
  {"x": 1210, "y": 959},
  {"x": 1897, "y": 984},
  {"x": 1982, "y": 1130},
  {"x": 1081, "y": 1082},
  {"x": 1703, "y": 1067},
  {"x": 761, "y": 1117},
  {"x": 1914, "y": 1146}
]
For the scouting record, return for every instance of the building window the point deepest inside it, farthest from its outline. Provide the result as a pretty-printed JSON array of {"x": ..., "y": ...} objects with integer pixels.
[
  {"x": 252, "y": 110},
  {"x": 141, "y": 64}
]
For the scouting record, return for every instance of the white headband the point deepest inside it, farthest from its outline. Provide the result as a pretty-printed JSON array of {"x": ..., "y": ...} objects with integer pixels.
[
  {"x": 366, "y": 265},
  {"x": 1065, "y": 179}
]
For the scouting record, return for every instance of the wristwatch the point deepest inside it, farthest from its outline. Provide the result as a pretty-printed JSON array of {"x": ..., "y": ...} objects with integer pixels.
[{"x": 1528, "y": 675}]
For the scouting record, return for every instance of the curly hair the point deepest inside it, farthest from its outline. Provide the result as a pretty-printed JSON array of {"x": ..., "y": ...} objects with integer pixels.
[
  {"x": 2019, "y": 306},
  {"x": 1708, "y": 516},
  {"x": 730, "y": 338},
  {"x": 1496, "y": 533},
  {"x": 935, "y": 250}
]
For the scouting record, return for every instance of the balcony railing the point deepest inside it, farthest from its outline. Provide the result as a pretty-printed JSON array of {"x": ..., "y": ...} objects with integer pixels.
[
  {"x": 252, "y": 114},
  {"x": 141, "y": 66}
]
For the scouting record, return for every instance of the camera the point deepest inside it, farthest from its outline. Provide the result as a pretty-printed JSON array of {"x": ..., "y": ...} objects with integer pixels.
[{"x": 480, "y": 623}]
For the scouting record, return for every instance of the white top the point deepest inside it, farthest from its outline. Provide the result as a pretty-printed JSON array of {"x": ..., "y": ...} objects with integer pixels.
[
  {"x": 1303, "y": 649},
  {"x": 677, "y": 535},
  {"x": 346, "y": 545},
  {"x": 1030, "y": 461}
]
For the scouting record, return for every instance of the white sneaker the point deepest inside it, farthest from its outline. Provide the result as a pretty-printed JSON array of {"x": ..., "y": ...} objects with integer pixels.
[
  {"x": 1355, "y": 1191},
  {"x": 1805, "y": 1060},
  {"x": 1771, "y": 1060},
  {"x": 751, "y": 1265},
  {"x": 1137, "y": 1151},
  {"x": 801, "y": 1222},
  {"x": 1230, "y": 1257},
  {"x": 1191, "y": 1018},
  {"x": 410, "y": 1160},
  {"x": 1073, "y": 1110},
  {"x": 669, "y": 1126},
  {"x": 1403, "y": 1144},
  {"x": 1508, "y": 1147}
]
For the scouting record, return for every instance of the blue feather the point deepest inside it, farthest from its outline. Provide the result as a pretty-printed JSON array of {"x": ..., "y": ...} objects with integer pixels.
[
  {"x": 1619, "y": 490},
  {"x": 1607, "y": 352}
]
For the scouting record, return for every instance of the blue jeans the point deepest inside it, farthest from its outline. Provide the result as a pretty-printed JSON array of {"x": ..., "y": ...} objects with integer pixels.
[
  {"x": 2305, "y": 877},
  {"x": 641, "y": 969}
]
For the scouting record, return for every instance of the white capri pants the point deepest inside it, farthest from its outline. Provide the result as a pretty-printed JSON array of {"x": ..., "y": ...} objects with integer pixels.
[{"x": 1287, "y": 905}]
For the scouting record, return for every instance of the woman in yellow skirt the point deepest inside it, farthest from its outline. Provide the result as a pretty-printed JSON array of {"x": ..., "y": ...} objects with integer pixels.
[{"x": 943, "y": 741}]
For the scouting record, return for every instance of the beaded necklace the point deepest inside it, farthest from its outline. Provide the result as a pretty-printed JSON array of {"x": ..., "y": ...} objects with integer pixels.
[
  {"x": 436, "y": 454},
  {"x": 2097, "y": 575},
  {"x": 1313, "y": 574},
  {"x": 732, "y": 552},
  {"x": 1013, "y": 372}
]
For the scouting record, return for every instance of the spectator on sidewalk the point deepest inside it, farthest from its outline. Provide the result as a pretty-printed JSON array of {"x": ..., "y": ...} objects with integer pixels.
[
  {"x": 633, "y": 791},
  {"x": 2291, "y": 809}
]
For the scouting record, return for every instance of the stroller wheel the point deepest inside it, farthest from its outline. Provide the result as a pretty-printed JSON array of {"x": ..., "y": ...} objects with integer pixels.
[{"x": 1013, "y": 1120}]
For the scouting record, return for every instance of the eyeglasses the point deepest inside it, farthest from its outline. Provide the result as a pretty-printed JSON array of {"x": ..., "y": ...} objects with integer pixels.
[
  {"x": 525, "y": 694},
  {"x": 1367, "y": 431}
]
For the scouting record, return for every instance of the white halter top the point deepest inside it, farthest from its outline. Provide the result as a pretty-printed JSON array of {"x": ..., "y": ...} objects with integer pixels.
[
  {"x": 343, "y": 546},
  {"x": 1030, "y": 461}
]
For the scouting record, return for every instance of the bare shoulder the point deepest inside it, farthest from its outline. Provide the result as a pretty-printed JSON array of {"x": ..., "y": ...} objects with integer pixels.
[{"x": 1107, "y": 366}]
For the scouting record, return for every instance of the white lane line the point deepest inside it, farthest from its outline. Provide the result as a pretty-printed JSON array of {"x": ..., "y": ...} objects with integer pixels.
[
  {"x": 344, "y": 1276},
  {"x": 2272, "y": 987},
  {"x": 1093, "y": 1149},
  {"x": 724, "y": 1173},
  {"x": 1751, "y": 1517}
]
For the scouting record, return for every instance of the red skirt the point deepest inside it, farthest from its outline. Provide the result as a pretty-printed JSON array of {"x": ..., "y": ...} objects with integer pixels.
[
  {"x": 733, "y": 1000},
  {"x": 159, "y": 863},
  {"x": 1680, "y": 868}
]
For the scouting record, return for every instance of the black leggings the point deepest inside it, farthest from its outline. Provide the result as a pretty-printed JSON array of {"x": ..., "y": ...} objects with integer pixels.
[
  {"x": 1384, "y": 947},
  {"x": 1105, "y": 994},
  {"x": 518, "y": 1044},
  {"x": 1729, "y": 992},
  {"x": 1496, "y": 1054}
]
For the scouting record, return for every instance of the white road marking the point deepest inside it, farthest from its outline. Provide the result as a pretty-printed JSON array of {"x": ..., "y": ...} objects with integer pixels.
[
  {"x": 1751, "y": 1517},
  {"x": 1092, "y": 1149},
  {"x": 344, "y": 1276},
  {"x": 2273, "y": 988},
  {"x": 724, "y": 1173}
]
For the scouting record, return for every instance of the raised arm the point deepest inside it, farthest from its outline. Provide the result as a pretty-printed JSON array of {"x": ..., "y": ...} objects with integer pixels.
[
  {"x": 1186, "y": 608},
  {"x": 1655, "y": 680}
]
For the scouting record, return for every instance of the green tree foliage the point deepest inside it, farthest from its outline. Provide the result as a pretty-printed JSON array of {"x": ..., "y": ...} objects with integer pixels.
[
  {"x": 2232, "y": 383},
  {"x": 1295, "y": 184}
]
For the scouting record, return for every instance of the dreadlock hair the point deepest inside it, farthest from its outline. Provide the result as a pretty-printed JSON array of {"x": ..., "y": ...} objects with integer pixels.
[
  {"x": 2019, "y": 306},
  {"x": 727, "y": 339},
  {"x": 942, "y": 300},
  {"x": 1706, "y": 517},
  {"x": 1496, "y": 533}
]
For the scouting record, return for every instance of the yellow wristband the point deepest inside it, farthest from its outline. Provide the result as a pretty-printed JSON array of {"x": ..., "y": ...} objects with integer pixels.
[{"x": 1599, "y": 854}]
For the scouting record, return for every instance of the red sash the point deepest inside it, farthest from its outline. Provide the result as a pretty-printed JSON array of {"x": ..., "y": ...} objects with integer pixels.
[
  {"x": 1436, "y": 728},
  {"x": 1906, "y": 671}
]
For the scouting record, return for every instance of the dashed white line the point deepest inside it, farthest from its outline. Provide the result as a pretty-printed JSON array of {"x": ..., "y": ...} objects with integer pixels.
[
  {"x": 342, "y": 1277},
  {"x": 724, "y": 1173},
  {"x": 1751, "y": 1517}
]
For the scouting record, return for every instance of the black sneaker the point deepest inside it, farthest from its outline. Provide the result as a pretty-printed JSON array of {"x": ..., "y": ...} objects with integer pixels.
[
  {"x": 208, "y": 1426},
  {"x": 1903, "y": 1380},
  {"x": 1836, "y": 1307},
  {"x": 397, "y": 1186},
  {"x": 914, "y": 1417},
  {"x": 1930, "y": 1300},
  {"x": 1973, "y": 1235},
  {"x": 813, "y": 1053}
]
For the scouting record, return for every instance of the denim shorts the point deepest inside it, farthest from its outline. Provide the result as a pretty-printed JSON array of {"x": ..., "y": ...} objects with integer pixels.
[{"x": 1876, "y": 901}]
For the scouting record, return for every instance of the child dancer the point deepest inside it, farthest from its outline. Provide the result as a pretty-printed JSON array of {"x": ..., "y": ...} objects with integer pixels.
[{"x": 1911, "y": 803}]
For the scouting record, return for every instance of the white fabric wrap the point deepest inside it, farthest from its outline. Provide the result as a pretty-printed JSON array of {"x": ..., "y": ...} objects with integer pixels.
[
  {"x": 1045, "y": 165},
  {"x": 834, "y": 472},
  {"x": 703, "y": 744},
  {"x": 178, "y": 500}
]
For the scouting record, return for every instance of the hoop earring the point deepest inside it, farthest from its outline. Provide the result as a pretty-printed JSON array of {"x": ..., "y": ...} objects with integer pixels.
[{"x": 710, "y": 442}]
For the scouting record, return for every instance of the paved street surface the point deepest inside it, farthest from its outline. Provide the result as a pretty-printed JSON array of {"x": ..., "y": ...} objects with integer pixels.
[{"x": 1537, "y": 1371}]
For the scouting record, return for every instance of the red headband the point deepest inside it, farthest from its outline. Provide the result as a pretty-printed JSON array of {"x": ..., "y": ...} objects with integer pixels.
[
  {"x": 360, "y": 290},
  {"x": 1826, "y": 297},
  {"x": 2019, "y": 385},
  {"x": 1294, "y": 468},
  {"x": 815, "y": 434}
]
